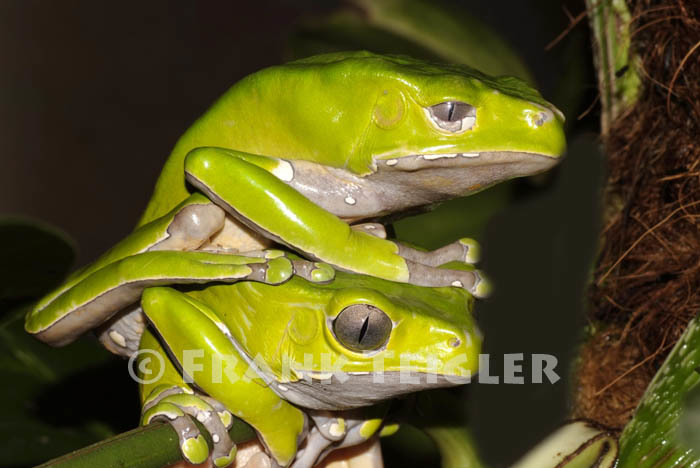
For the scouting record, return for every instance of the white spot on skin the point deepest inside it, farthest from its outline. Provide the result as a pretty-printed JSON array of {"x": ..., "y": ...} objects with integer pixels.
[
  {"x": 335, "y": 430},
  {"x": 470, "y": 155},
  {"x": 215, "y": 438},
  {"x": 284, "y": 171},
  {"x": 370, "y": 227},
  {"x": 392, "y": 162},
  {"x": 282, "y": 388},
  {"x": 349, "y": 200},
  {"x": 201, "y": 417},
  {"x": 457, "y": 284},
  {"x": 118, "y": 338},
  {"x": 439, "y": 156}
]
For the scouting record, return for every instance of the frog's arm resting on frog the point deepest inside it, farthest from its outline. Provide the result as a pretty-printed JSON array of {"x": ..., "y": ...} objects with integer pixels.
[{"x": 151, "y": 256}]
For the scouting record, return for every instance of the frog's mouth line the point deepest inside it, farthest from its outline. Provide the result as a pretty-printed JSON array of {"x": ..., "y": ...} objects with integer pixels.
[
  {"x": 410, "y": 182},
  {"x": 418, "y": 162},
  {"x": 359, "y": 390}
]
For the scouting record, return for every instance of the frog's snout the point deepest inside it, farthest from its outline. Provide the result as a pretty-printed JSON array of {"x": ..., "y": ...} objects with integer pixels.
[{"x": 543, "y": 117}]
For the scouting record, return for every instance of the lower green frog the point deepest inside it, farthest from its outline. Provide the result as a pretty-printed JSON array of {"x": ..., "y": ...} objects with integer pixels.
[{"x": 310, "y": 366}]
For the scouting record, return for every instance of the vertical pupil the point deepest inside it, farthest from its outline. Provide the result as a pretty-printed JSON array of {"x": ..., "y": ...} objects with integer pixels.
[
  {"x": 363, "y": 330},
  {"x": 450, "y": 111}
]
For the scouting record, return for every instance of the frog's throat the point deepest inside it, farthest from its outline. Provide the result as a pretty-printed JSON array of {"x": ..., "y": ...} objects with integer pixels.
[
  {"x": 354, "y": 390},
  {"x": 346, "y": 390},
  {"x": 408, "y": 183}
]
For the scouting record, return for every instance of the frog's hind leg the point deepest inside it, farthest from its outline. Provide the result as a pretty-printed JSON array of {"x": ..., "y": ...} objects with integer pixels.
[
  {"x": 169, "y": 399},
  {"x": 200, "y": 343}
]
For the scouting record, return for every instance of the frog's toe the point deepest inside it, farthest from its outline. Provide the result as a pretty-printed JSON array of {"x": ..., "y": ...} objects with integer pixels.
[
  {"x": 423, "y": 275},
  {"x": 275, "y": 270},
  {"x": 483, "y": 286},
  {"x": 309, "y": 453},
  {"x": 374, "y": 229},
  {"x": 472, "y": 250},
  {"x": 316, "y": 272},
  {"x": 463, "y": 250},
  {"x": 224, "y": 415},
  {"x": 193, "y": 446},
  {"x": 179, "y": 408}
]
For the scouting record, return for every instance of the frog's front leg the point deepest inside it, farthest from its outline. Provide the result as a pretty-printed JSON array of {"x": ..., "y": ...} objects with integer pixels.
[
  {"x": 185, "y": 324},
  {"x": 186, "y": 227},
  {"x": 252, "y": 189},
  {"x": 464, "y": 250},
  {"x": 91, "y": 301},
  {"x": 339, "y": 429}
]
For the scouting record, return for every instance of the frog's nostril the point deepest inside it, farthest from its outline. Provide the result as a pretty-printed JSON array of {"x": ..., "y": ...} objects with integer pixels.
[
  {"x": 543, "y": 117},
  {"x": 455, "y": 342}
]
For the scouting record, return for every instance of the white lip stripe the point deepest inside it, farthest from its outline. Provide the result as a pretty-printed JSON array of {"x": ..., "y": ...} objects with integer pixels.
[{"x": 439, "y": 156}]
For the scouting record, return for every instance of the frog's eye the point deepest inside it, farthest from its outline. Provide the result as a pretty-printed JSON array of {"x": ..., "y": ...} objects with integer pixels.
[
  {"x": 453, "y": 116},
  {"x": 362, "y": 327}
]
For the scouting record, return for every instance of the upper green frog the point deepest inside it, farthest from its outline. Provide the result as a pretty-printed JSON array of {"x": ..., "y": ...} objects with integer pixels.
[
  {"x": 306, "y": 364},
  {"x": 382, "y": 134},
  {"x": 307, "y": 154}
]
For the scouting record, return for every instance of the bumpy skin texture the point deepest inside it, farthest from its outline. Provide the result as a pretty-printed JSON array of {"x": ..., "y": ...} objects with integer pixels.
[{"x": 310, "y": 390}]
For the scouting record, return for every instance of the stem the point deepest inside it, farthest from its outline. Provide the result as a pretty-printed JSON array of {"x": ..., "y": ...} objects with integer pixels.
[{"x": 152, "y": 446}]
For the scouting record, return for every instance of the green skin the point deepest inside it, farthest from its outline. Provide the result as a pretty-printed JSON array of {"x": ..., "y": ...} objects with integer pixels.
[
  {"x": 291, "y": 332},
  {"x": 299, "y": 154}
]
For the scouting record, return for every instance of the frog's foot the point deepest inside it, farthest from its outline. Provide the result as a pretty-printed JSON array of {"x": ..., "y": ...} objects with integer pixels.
[
  {"x": 178, "y": 406},
  {"x": 375, "y": 229},
  {"x": 463, "y": 250},
  {"x": 316, "y": 272},
  {"x": 329, "y": 428},
  {"x": 121, "y": 334},
  {"x": 358, "y": 432},
  {"x": 473, "y": 281},
  {"x": 314, "y": 444}
]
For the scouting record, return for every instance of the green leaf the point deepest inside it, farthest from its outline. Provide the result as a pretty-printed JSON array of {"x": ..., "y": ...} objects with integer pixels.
[
  {"x": 50, "y": 407},
  {"x": 34, "y": 256},
  {"x": 424, "y": 29},
  {"x": 578, "y": 444},
  {"x": 652, "y": 438}
]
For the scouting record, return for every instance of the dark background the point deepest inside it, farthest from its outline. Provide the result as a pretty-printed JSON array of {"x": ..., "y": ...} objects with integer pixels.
[{"x": 93, "y": 95}]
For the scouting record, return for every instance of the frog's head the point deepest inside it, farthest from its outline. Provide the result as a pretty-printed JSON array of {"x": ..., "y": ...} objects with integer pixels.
[
  {"x": 360, "y": 340},
  {"x": 416, "y": 132}
]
